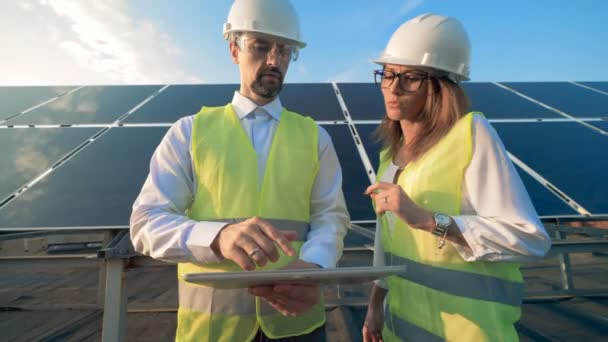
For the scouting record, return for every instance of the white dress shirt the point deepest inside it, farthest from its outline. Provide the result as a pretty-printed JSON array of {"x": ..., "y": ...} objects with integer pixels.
[
  {"x": 161, "y": 229},
  {"x": 497, "y": 218}
]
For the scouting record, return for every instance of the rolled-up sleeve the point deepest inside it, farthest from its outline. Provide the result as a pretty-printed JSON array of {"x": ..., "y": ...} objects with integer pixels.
[{"x": 498, "y": 220}]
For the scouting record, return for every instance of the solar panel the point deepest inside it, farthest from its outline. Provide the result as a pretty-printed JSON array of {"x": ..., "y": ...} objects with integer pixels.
[
  {"x": 366, "y": 132},
  {"x": 567, "y": 154},
  {"x": 497, "y": 103},
  {"x": 90, "y": 105},
  {"x": 355, "y": 180},
  {"x": 96, "y": 187},
  {"x": 545, "y": 202},
  {"x": 602, "y": 86},
  {"x": 14, "y": 100},
  {"x": 182, "y": 100},
  {"x": 603, "y": 125},
  {"x": 364, "y": 100},
  {"x": 315, "y": 100},
  {"x": 567, "y": 97},
  {"x": 26, "y": 153}
]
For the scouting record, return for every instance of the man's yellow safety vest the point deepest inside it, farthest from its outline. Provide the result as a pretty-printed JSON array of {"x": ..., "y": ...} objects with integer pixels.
[{"x": 225, "y": 166}]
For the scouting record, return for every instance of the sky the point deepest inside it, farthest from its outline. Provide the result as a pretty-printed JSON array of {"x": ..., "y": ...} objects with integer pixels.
[{"x": 81, "y": 42}]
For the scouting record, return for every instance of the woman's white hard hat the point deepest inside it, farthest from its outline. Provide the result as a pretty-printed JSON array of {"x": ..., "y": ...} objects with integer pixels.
[{"x": 430, "y": 41}]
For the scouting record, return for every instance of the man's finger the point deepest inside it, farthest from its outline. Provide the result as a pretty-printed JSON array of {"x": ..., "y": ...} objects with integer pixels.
[
  {"x": 288, "y": 304},
  {"x": 261, "y": 291},
  {"x": 300, "y": 292},
  {"x": 290, "y": 235},
  {"x": 277, "y": 237},
  {"x": 249, "y": 245},
  {"x": 279, "y": 304},
  {"x": 242, "y": 259},
  {"x": 269, "y": 249}
]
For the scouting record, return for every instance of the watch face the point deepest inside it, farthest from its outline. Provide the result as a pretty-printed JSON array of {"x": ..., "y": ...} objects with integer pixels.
[{"x": 443, "y": 220}]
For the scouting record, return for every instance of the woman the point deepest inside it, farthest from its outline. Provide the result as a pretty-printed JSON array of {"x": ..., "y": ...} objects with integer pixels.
[{"x": 450, "y": 204}]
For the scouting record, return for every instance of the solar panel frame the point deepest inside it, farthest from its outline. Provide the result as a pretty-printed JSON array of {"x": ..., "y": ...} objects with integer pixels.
[
  {"x": 89, "y": 105},
  {"x": 32, "y": 151},
  {"x": 15, "y": 100},
  {"x": 601, "y": 86},
  {"x": 363, "y": 100},
  {"x": 550, "y": 147},
  {"x": 96, "y": 187},
  {"x": 178, "y": 101},
  {"x": 566, "y": 97},
  {"x": 497, "y": 103},
  {"x": 354, "y": 176}
]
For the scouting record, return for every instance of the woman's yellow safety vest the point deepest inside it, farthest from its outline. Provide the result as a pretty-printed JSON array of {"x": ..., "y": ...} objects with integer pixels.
[
  {"x": 442, "y": 297},
  {"x": 225, "y": 166}
]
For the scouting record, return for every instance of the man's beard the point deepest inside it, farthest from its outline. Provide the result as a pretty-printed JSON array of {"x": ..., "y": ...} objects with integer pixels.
[{"x": 267, "y": 89}]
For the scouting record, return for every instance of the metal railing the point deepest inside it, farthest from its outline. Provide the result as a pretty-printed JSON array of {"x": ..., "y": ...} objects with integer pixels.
[{"x": 118, "y": 252}]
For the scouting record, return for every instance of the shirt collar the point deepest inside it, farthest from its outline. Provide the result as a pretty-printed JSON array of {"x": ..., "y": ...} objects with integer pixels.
[{"x": 243, "y": 106}]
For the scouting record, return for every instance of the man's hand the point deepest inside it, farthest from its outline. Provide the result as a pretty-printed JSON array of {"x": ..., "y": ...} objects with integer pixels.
[
  {"x": 290, "y": 299},
  {"x": 252, "y": 242}
]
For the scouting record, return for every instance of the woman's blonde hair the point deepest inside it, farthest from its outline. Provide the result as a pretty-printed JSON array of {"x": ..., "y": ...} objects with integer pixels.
[{"x": 445, "y": 105}]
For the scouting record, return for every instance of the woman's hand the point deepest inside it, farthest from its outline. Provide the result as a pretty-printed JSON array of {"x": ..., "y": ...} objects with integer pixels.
[
  {"x": 372, "y": 328},
  {"x": 391, "y": 197}
]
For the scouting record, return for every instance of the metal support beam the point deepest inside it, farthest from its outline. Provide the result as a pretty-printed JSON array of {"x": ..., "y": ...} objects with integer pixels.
[
  {"x": 368, "y": 233},
  {"x": 577, "y": 247},
  {"x": 47, "y": 261},
  {"x": 44, "y": 233},
  {"x": 116, "y": 254},
  {"x": 108, "y": 237},
  {"x": 115, "y": 304},
  {"x": 565, "y": 268}
]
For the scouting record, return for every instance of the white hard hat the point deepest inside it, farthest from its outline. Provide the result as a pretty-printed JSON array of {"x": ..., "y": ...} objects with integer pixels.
[
  {"x": 274, "y": 17},
  {"x": 431, "y": 41}
]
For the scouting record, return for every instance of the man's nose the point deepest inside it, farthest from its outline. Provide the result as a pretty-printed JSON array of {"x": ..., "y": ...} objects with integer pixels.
[{"x": 273, "y": 58}]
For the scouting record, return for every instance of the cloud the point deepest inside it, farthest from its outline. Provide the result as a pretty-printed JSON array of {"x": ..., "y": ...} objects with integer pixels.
[
  {"x": 358, "y": 72},
  {"x": 407, "y": 7},
  {"x": 360, "y": 69},
  {"x": 301, "y": 69},
  {"x": 86, "y": 42}
]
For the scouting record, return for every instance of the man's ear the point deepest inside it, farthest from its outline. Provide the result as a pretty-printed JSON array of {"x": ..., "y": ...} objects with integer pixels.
[{"x": 234, "y": 52}]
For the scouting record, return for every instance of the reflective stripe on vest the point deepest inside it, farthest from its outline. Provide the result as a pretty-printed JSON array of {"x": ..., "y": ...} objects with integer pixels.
[
  {"x": 441, "y": 294},
  {"x": 226, "y": 172},
  {"x": 405, "y": 329},
  {"x": 458, "y": 283},
  {"x": 301, "y": 228}
]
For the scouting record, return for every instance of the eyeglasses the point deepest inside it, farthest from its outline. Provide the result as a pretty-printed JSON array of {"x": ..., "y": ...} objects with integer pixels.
[
  {"x": 260, "y": 47},
  {"x": 409, "y": 81}
]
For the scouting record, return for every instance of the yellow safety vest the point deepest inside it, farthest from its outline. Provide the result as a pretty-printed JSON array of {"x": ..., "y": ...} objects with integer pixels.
[
  {"x": 225, "y": 165},
  {"x": 442, "y": 297}
]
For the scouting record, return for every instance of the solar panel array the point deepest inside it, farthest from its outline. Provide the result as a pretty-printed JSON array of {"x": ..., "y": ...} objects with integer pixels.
[{"x": 78, "y": 156}]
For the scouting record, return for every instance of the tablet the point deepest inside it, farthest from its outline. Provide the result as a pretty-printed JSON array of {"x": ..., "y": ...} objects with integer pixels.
[{"x": 340, "y": 275}]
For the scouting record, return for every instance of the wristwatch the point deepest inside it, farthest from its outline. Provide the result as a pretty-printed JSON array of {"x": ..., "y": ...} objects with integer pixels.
[{"x": 442, "y": 223}]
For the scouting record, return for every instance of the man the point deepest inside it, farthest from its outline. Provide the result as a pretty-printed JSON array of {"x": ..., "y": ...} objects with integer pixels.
[{"x": 246, "y": 186}]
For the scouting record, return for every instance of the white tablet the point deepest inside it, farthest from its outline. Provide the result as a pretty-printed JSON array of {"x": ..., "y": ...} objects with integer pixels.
[{"x": 340, "y": 275}]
